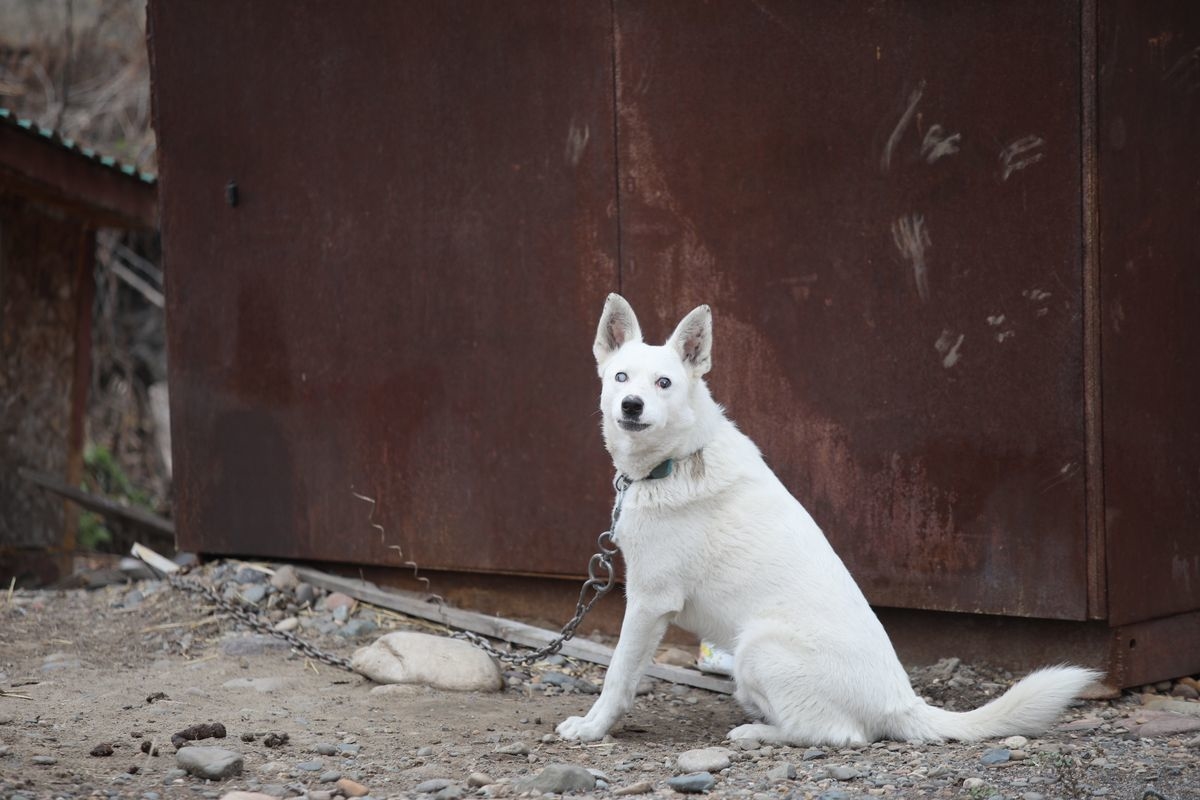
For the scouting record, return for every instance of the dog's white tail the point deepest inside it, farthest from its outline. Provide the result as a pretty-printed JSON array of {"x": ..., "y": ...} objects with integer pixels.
[{"x": 1031, "y": 706}]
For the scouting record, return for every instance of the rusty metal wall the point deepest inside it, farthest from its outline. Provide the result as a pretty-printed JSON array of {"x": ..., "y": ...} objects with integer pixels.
[
  {"x": 882, "y": 203},
  {"x": 1149, "y": 190},
  {"x": 402, "y": 301}
]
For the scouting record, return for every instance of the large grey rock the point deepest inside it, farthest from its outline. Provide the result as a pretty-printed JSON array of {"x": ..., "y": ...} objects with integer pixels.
[
  {"x": 707, "y": 759},
  {"x": 213, "y": 763},
  {"x": 559, "y": 778},
  {"x": 408, "y": 657}
]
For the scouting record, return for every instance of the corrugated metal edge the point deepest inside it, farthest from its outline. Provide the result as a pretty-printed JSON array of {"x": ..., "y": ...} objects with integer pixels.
[{"x": 56, "y": 139}]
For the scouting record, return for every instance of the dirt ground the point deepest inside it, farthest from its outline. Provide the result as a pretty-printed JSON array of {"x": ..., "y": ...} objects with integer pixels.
[{"x": 129, "y": 666}]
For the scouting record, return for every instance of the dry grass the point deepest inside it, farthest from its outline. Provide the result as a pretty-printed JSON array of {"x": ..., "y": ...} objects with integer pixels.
[{"x": 80, "y": 67}]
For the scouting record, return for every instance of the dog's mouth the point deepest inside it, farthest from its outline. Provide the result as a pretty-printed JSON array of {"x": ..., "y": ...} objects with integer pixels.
[{"x": 633, "y": 427}]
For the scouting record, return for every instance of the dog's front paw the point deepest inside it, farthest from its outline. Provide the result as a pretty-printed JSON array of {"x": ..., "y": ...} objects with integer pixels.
[{"x": 581, "y": 729}]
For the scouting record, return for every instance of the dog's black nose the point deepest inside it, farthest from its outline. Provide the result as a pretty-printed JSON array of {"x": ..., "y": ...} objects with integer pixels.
[{"x": 632, "y": 406}]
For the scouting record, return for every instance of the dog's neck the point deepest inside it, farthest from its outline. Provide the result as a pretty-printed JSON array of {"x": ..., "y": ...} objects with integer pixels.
[{"x": 632, "y": 457}]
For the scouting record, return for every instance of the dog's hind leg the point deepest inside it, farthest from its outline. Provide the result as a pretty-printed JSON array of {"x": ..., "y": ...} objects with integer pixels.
[{"x": 801, "y": 701}]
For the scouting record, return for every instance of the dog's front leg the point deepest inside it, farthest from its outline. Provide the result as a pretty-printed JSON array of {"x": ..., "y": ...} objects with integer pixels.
[{"x": 641, "y": 631}]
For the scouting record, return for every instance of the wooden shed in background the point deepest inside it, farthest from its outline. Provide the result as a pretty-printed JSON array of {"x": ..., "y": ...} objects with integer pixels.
[
  {"x": 54, "y": 195},
  {"x": 951, "y": 250}
]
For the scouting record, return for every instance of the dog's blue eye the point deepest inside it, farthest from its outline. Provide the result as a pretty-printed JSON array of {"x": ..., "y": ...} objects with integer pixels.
[
  {"x": 621, "y": 377},
  {"x": 663, "y": 383}
]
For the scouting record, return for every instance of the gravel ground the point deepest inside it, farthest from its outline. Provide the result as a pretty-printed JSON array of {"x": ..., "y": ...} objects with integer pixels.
[{"x": 94, "y": 684}]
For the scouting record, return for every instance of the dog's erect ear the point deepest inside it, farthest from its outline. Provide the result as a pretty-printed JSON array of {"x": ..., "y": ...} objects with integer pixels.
[
  {"x": 618, "y": 325},
  {"x": 693, "y": 340}
]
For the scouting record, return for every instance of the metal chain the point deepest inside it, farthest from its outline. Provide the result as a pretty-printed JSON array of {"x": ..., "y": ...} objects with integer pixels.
[
  {"x": 251, "y": 617},
  {"x": 601, "y": 577}
]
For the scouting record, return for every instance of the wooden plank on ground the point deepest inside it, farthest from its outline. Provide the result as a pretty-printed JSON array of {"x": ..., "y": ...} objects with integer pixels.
[{"x": 497, "y": 627}]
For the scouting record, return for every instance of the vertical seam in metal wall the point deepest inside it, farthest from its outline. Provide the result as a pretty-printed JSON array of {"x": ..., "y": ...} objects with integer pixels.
[
  {"x": 1097, "y": 593},
  {"x": 616, "y": 123}
]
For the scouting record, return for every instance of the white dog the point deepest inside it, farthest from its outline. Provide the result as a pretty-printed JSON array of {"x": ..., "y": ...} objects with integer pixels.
[{"x": 714, "y": 543}]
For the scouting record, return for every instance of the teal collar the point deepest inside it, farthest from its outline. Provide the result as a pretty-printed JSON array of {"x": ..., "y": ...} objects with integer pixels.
[{"x": 662, "y": 470}]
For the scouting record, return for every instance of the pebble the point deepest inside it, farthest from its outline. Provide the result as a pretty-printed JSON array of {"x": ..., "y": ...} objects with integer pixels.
[
  {"x": 212, "y": 763},
  {"x": 305, "y": 594},
  {"x": 287, "y": 624},
  {"x": 781, "y": 773},
  {"x": 449, "y": 793},
  {"x": 844, "y": 773},
  {"x": 254, "y": 593},
  {"x": 311, "y": 766},
  {"x": 706, "y": 759},
  {"x": 641, "y": 787},
  {"x": 331, "y": 776},
  {"x": 424, "y": 752},
  {"x": 812, "y": 754},
  {"x": 513, "y": 749},
  {"x": 692, "y": 782},
  {"x": 559, "y": 779},
  {"x": 834, "y": 794},
  {"x": 325, "y": 749},
  {"x": 433, "y": 785},
  {"x": 285, "y": 578},
  {"x": 996, "y": 756},
  {"x": 350, "y": 788},
  {"x": 44, "y": 761},
  {"x": 479, "y": 779},
  {"x": 972, "y": 783},
  {"x": 1015, "y": 742}
]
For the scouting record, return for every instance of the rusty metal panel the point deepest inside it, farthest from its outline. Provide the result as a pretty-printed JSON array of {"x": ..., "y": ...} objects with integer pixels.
[
  {"x": 1149, "y": 124},
  {"x": 402, "y": 299},
  {"x": 882, "y": 203}
]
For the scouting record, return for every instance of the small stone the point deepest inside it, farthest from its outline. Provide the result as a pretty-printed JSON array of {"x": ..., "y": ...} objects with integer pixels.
[
  {"x": 1018, "y": 755},
  {"x": 972, "y": 783},
  {"x": 254, "y": 593},
  {"x": 338, "y": 600},
  {"x": 844, "y": 773},
  {"x": 252, "y": 645},
  {"x": 812, "y": 754},
  {"x": 101, "y": 750},
  {"x": 513, "y": 749},
  {"x": 331, "y": 776},
  {"x": 325, "y": 749},
  {"x": 44, "y": 761},
  {"x": 287, "y": 624},
  {"x": 706, "y": 759},
  {"x": 311, "y": 766},
  {"x": 358, "y": 627},
  {"x": 433, "y": 785},
  {"x": 349, "y": 750},
  {"x": 305, "y": 594},
  {"x": 692, "y": 782},
  {"x": 781, "y": 773},
  {"x": 350, "y": 788},
  {"x": 247, "y": 575},
  {"x": 834, "y": 794},
  {"x": 449, "y": 793},
  {"x": 1015, "y": 742},
  {"x": 211, "y": 763},
  {"x": 1033, "y": 796},
  {"x": 559, "y": 779},
  {"x": 996, "y": 756},
  {"x": 424, "y": 752},
  {"x": 478, "y": 779},
  {"x": 1185, "y": 691},
  {"x": 285, "y": 578},
  {"x": 641, "y": 787}
]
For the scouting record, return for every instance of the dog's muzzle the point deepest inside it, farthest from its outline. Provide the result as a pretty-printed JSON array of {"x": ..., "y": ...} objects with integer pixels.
[{"x": 631, "y": 408}]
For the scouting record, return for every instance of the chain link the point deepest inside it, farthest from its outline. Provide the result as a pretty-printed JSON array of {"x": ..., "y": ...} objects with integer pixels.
[
  {"x": 600, "y": 580},
  {"x": 601, "y": 577},
  {"x": 250, "y": 617}
]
